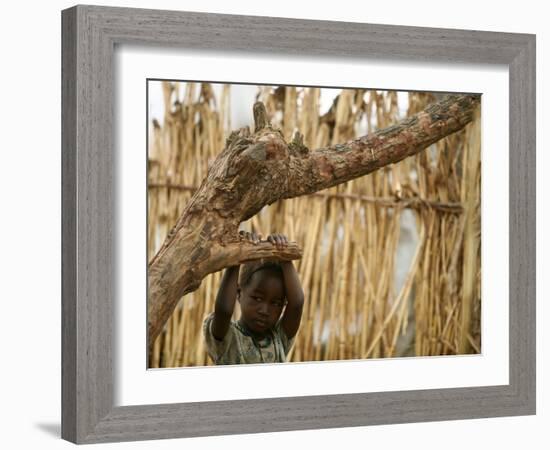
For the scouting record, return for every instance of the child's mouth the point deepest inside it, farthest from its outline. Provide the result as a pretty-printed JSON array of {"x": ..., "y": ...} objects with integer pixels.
[{"x": 261, "y": 323}]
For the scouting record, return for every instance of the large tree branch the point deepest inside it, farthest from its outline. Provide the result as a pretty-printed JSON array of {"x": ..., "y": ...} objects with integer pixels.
[
  {"x": 337, "y": 164},
  {"x": 255, "y": 170}
]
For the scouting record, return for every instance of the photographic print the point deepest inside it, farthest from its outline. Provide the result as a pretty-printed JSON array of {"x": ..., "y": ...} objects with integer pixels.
[
  {"x": 290, "y": 224},
  {"x": 357, "y": 200}
]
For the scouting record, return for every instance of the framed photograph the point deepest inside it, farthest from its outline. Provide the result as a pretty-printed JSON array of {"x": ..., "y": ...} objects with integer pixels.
[
  {"x": 367, "y": 239},
  {"x": 246, "y": 201}
]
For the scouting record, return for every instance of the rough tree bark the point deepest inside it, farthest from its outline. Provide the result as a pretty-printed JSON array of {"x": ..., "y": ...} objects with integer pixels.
[{"x": 257, "y": 169}]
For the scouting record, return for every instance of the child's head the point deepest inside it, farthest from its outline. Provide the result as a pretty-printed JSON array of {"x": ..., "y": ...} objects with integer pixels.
[{"x": 261, "y": 294}]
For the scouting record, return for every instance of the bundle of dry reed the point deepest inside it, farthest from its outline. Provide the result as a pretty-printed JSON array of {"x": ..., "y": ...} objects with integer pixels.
[{"x": 391, "y": 261}]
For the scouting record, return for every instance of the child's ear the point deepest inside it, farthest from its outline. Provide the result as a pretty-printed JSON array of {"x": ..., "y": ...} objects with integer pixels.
[{"x": 239, "y": 294}]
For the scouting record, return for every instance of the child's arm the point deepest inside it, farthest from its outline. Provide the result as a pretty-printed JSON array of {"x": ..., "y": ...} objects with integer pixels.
[
  {"x": 292, "y": 316},
  {"x": 295, "y": 298},
  {"x": 225, "y": 302},
  {"x": 227, "y": 294}
]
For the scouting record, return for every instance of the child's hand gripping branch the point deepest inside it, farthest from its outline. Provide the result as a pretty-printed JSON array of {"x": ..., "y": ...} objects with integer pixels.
[{"x": 263, "y": 288}]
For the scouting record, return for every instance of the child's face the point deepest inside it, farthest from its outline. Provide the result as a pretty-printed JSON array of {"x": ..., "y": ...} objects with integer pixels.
[{"x": 262, "y": 300}]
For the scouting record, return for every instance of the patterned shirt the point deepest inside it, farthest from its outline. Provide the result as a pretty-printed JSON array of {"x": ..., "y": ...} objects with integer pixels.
[{"x": 238, "y": 346}]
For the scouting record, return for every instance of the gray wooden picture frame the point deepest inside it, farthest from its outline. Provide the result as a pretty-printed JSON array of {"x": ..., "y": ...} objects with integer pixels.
[{"x": 89, "y": 36}]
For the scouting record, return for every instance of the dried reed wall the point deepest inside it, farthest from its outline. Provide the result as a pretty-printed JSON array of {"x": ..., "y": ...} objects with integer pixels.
[{"x": 391, "y": 261}]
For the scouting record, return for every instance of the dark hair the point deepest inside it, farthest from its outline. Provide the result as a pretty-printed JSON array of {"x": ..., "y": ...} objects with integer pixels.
[{"x": 248, "y": 269}]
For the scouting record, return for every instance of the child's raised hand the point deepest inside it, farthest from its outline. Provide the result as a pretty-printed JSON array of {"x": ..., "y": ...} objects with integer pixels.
[
  {"x": 250, "y": 236},
  {"x": 279, "y": 240}
]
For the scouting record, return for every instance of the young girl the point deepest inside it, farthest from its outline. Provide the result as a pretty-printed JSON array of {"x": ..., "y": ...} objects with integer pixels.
[{"x": 263, "y": 289}]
